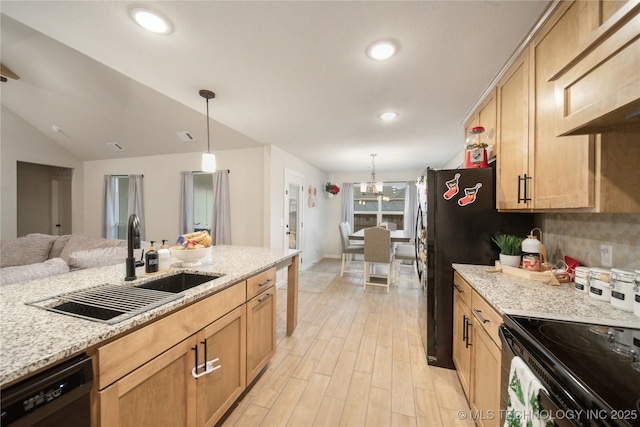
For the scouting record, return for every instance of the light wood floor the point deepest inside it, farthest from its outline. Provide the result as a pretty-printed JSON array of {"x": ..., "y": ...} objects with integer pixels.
[{"x": 355, "y": 359}]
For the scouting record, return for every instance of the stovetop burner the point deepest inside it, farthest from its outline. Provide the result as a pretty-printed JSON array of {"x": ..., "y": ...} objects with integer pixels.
[{"x": 603, "y": 360}]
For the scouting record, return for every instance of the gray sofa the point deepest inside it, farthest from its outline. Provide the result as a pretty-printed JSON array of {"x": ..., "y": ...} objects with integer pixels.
[{"x": 36, "y": 256}]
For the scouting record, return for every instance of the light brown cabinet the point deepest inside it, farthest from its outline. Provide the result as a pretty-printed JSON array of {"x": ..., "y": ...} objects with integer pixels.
[
  {"x": 477, "y": 351},
  {"x": 261, "y": 321},
  {"x": 462, "y": 330},
  {"x": 189, "y": 367},
  {"x": 598, "y": 88},
  {"x": 537, "y": 170},
  {"x": 165, "y": 391},
  {"x": 485, "y": 116}
]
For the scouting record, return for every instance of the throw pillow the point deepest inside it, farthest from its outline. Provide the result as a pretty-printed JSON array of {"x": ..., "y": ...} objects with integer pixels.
[
  {"x": 23, "y": 273},
  {"x": 25, "y": 250}
]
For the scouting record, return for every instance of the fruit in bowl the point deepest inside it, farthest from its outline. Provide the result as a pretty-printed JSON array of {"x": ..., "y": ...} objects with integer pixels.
[
  {"x": 190, "y": 257},
  {"x": 192, "y": 248}
]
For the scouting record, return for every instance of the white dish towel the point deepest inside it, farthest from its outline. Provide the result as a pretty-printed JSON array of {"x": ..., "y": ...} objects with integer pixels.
[{"x": 523, "y": 404}]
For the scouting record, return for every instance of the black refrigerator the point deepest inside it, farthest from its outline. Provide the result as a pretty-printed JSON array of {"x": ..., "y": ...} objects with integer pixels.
[{"x": 459, "y": 214}]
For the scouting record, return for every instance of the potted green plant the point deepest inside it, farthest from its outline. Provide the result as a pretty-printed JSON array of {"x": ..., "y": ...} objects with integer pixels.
[{"x": 510, "y": 249}]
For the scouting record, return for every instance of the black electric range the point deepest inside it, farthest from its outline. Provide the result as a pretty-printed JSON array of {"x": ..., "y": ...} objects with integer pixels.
[{"x": 592, "y": 372}]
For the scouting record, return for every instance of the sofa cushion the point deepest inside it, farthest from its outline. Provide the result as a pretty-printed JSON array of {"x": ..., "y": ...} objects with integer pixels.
[
  {"x": 80, "y": 242},
  {"x": 24, "y": 273},
  {"x": 98, "y": 257},
  {"x": 25, "y": 250}
]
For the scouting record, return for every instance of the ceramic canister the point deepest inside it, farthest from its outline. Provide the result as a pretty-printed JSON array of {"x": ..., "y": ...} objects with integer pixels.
[
  {"x": 622, "y": 283},
  {"x": 599, "y": 287},
  {"x": 636, "y": 290},
  {"x": 581, "y": 281}
]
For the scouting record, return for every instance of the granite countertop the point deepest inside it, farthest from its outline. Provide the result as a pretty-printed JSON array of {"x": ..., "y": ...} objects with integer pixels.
[
  {"x": 32, "y": 338},
  {"x": 514, "y": 295}
]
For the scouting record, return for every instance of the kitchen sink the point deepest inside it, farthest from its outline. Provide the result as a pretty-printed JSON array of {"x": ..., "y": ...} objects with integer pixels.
[
  {"x": 178, "y": 282},
  {"x": 107, "y": 303}
]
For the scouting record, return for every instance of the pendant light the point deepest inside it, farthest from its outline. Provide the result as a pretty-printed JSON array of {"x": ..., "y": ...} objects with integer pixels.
[
  {"x": 208, "y": 158},
  {"x": 372, "y": 188}
]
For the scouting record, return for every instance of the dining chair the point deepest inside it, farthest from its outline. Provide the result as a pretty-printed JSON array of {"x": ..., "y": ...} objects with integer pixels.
[
  {"x": 348, "y": 249},
  {"x": 404, "y": 252},
  {"x": 377, "y": 250}
]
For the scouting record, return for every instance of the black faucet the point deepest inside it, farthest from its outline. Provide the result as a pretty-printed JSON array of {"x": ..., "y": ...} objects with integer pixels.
[{"x": 133, "y": 242}]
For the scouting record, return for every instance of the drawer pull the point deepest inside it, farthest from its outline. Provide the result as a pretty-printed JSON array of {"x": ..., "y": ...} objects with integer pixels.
[
  {"x": 478, "y": 315},
  {"x": 458, "y": 288},
  {"x": 264, "y": 298},
  {"x": 265, "y": 283}
]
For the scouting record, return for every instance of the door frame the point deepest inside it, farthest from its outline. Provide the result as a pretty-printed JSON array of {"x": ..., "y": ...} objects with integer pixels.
[{"x": 291, "y": 176}]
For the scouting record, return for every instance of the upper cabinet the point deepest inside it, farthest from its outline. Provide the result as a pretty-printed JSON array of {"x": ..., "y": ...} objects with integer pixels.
[
  {"x": 597, "y": 89},
  {"x": 537, "y": 170}
]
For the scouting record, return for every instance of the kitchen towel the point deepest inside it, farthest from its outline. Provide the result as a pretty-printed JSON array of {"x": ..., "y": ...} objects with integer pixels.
[{"x": 523, "y": 404}]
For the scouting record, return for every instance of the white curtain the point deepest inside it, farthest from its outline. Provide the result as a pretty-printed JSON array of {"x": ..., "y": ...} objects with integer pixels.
[
  {"x": 411, "y": 208},
  {"x": 186, "y": 203},
  {"x": 109, "y": 214},
  {"x": 347, "y": 203},
  {"x": 221, "y": 216},
  {"x": 136, "y": 201}
]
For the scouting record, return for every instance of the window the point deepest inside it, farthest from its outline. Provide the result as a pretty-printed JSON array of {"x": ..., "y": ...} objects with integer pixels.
[
  {"x": 122, "y": 204},
  {"x": 370, "y": 210},
  {"x": 202, "y": 201}
]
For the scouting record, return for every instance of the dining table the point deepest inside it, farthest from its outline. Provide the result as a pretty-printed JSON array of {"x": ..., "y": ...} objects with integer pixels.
[{"x": 397, "y": 236}]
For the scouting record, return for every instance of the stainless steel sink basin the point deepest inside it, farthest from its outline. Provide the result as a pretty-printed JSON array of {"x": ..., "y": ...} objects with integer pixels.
[{"x": 178, "y": 282}]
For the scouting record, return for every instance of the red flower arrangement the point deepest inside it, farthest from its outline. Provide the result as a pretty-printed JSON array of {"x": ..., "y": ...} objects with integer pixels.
[{"x": 331, "y": 188}]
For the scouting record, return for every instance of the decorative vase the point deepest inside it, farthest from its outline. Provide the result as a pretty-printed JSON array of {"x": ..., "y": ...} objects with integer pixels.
[
  {"x": 330, "y": 195},
  {"x": 510, "y": 260}
]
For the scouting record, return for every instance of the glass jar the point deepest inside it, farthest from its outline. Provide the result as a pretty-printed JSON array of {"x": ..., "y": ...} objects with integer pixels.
[
  {"x": 599, "y": 284},
  {"x": 476, "y": 149},
  {"x": 581, "y": 281},
  {"x": 622, "y": 283}
]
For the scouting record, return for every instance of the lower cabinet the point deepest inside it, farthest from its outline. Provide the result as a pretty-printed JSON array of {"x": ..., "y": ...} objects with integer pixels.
[
  {"x": 477, "y": 352},
  {"x": 170, "y": 391},
  {"x": 261, "y": 333},
  {"x": 188, "y": 368}
]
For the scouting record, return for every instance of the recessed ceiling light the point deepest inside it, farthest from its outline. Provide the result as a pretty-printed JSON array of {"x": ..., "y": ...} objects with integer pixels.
[
  {"x": 381, "y": 50},
  {"x": 388, "y": 115},
  {"x": 151, "y": 21}
]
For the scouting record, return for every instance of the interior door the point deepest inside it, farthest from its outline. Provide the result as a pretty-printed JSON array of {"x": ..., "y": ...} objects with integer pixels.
[
  {"x": 60, "y": 205},
  {"x": 294, "y": 186}
]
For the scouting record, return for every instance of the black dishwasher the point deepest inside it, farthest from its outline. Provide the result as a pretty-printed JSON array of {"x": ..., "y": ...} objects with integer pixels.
[{"x": 58, "y": 396}]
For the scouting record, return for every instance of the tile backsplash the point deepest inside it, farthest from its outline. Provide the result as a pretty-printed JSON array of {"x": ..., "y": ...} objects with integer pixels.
[{"x": 580, "y": 236}]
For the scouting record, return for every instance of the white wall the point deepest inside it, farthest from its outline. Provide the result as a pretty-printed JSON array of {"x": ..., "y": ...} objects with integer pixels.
[
  {"x": 19, "y": 141},
  {"x": 314, "y": 230},
  {"x": 333, "y": 216},
  {"x": 162, "y": 192}
]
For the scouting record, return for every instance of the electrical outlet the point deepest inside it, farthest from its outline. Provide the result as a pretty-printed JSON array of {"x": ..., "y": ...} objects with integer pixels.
[{"x": 606, "y": 255}]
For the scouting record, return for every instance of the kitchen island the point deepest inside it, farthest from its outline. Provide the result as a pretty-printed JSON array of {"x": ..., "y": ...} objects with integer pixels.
[
  {"x": 33, "y": 338},
  {"x": 509, "y": 294}
]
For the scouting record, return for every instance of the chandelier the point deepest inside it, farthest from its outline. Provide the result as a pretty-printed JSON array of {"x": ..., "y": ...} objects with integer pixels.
[{"x": 372, "y": 188}]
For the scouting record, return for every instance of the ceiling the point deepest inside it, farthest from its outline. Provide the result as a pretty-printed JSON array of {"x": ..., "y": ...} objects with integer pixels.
[{"x": 289, "y": 73}]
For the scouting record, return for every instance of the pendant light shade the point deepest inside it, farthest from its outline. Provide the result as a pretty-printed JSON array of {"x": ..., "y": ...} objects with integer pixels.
[
  {"x": 208, "y": 158},
  {"x": 208, "y": 162}
]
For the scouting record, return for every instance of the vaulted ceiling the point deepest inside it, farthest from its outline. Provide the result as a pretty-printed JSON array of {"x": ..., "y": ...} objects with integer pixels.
[{"x": 289, "y": 73}]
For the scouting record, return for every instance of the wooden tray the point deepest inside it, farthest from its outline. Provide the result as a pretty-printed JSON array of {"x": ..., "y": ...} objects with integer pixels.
[{"x": 541, "y": 276}]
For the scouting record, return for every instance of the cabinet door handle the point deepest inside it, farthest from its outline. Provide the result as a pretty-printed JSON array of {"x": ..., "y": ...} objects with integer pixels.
[
  {"x": 205, "y": 348},
  {"x": 467, "y": 344},
  {"x": 464, "y": 328},
  {"x": 522, "y": 181},
  {"x": 478, "y": 314},
  {"x": 195, "y": 349},
  {"x": 458, "y": 288},
  {"x": 265, "y": 283},
  {"x": 264, "y": 298}
]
